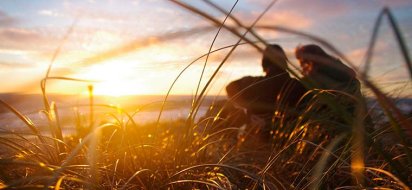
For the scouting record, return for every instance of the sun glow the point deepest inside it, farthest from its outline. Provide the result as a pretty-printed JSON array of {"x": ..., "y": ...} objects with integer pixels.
[
  {"x": 116, "y": 78},
  {"x": 118, "y": 88},
  {"x": 147, "y": 71}
]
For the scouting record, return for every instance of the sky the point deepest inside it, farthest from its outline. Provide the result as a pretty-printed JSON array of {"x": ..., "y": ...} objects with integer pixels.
[{"x": 127, "y": 47}]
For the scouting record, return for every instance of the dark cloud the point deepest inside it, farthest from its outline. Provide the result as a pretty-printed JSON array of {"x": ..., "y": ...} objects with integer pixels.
[{"x": 6, "y": 20}]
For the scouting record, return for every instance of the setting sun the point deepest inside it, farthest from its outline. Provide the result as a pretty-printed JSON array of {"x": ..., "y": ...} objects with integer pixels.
[{"x": 115, "y": 78}]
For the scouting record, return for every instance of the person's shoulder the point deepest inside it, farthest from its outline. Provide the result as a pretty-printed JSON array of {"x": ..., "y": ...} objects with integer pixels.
[
  {"x": 250, "y": 79},
  {"x": 345, "y": 69},
  {"x": 248, "y": 85},
  {"x": 243, "y": 82}
]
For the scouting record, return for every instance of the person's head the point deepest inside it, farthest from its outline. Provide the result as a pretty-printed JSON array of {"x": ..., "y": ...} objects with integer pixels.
[
  {"x": 274, "y": 59},
  {"x": 310, "y": 58}
]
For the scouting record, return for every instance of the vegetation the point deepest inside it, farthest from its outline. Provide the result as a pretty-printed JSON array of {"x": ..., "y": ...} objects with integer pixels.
[{"x": 310, "y": 151}]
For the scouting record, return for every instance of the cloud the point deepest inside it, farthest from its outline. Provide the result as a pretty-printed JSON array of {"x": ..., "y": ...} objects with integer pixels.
[
  {"x": 17, "y": 33},
  {"x": 52, "y": 13},
  {"x": 318, "y": 7},
  {"x": 6, "y": 20},
  {"x": 87, "y": 14},
  {"x": 18, "y": 38},
  {"x": 90, "y": 11},
  {"x": 16, "y": 65},
  {"x": 14, "y": 52},
  {"x": 386, "y": 64},
  {"x": 397, "y": 3},
  {"x": 358, "y": 55},
  {"x": 286, "y": 18},
  {"x": 93, "y": 14},
  {"x": 327, "y": 9},
  {"x": 382, "y": 3}
]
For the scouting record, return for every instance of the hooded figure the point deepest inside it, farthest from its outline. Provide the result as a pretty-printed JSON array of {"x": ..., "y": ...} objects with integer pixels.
[
  {"x": 339, "y": 88},
  {"x": 326, "y": 72},
  {"x": 266, "y": 97}
]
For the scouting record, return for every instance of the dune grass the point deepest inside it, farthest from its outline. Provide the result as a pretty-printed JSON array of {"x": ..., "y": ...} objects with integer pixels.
[{"x": 313, "y": 150}]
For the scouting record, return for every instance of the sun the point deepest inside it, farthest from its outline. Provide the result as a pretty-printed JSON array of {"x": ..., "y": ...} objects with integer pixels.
[
  {"x": 115, "y": 78},
  {"x": 116, "y": 88}
]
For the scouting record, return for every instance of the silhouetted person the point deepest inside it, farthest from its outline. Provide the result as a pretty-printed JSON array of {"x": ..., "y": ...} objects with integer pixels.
[
  {"x": 324, "y": 72},
  {"x": 269, "y": 96}
]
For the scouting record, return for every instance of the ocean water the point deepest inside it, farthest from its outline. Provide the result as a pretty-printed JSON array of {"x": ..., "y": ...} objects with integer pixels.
[{"x": 144, "y": 109}]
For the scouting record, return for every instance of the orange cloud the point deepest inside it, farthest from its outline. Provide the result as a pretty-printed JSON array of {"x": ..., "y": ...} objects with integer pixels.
[
  {"x": 357, "y": 56},
  {"x": 286, "y": 18}
]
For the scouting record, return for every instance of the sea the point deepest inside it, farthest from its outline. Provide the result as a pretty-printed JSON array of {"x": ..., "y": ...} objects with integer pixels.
[{"x": 143, "y": 109}]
